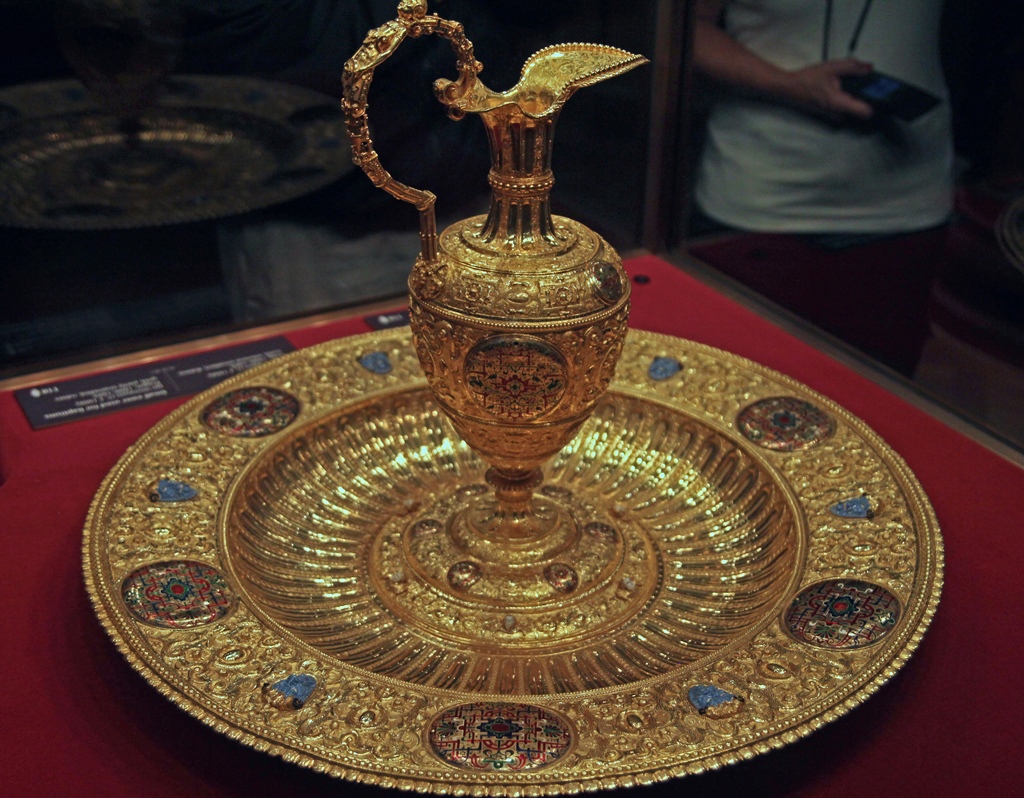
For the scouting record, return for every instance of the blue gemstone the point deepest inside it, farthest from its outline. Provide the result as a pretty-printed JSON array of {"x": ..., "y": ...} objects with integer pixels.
[
  {"x": 859, "y": 507},
  {"x": 662, "y": 368},
  {"x": 377, "y": 362},
  {"x": 298, "y": 686},
  {"x": 705, "y": 696},
  {"x": 170, "y": 490}
]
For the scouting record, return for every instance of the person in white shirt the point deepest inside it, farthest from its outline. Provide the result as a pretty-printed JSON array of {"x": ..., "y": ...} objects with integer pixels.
[{"x": 788, "y": 150}]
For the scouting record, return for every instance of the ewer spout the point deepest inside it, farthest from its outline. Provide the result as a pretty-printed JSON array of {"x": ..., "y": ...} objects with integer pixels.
[{"x": 548, "y": 78}]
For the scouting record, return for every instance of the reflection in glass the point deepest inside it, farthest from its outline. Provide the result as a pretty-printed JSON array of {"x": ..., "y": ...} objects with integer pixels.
[{"x": 123, "y": 51}]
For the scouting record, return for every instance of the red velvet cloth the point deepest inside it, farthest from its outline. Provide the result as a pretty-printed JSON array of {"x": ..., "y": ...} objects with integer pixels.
[
  {"x": 77, "y": 720},
  {"x": 874, "y": 295}
]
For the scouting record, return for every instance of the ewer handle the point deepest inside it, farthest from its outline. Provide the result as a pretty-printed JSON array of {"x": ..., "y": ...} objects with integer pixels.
[{"x": 377, "y": 47}]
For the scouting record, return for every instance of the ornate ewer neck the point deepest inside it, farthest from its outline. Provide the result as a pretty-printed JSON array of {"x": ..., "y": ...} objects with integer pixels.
[
  {"x": 520, "y": 126},
  {"x": 521, "y": 180}
]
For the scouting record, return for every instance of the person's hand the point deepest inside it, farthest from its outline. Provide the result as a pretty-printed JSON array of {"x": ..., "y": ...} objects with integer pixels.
[{"x": 818, "y": 88}]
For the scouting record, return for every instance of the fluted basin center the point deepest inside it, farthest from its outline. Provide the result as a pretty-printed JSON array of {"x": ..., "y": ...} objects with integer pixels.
[{"x": 356, "y": 535}]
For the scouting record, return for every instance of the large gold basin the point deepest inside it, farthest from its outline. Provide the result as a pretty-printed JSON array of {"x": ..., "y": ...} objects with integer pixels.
[{"x": 294, "y": 558}]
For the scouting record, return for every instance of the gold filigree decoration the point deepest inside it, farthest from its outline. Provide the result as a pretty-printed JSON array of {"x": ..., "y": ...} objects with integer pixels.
[{"x": 660, "y": 464}]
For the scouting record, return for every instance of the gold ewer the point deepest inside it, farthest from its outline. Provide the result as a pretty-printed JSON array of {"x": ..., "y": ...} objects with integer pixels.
[
  {"x": 518, "y": 316},
  {"x": 690, "y": 585}
]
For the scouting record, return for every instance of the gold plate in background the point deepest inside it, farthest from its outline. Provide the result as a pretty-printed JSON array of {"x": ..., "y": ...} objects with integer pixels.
[
  {"x": 212, "y": 146},
  {"x": 751, "y": 561}
]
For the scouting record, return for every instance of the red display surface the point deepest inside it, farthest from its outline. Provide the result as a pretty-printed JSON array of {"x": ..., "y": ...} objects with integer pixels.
[{"x": 78, "y": 721}]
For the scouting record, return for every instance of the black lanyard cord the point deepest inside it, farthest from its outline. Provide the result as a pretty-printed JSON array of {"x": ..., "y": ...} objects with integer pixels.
[{"x": 827, "y": 34}]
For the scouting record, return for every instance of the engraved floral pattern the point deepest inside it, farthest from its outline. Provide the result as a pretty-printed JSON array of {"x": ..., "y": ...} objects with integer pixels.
[{"x": 356, "y": 722}]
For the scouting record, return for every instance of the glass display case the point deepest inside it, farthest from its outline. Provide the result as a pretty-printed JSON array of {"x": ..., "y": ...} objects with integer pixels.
[
  {"x": 241, "y": 207},
  {"x": 233, "y": 201},
  {"x": 315, "y": 517}
]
